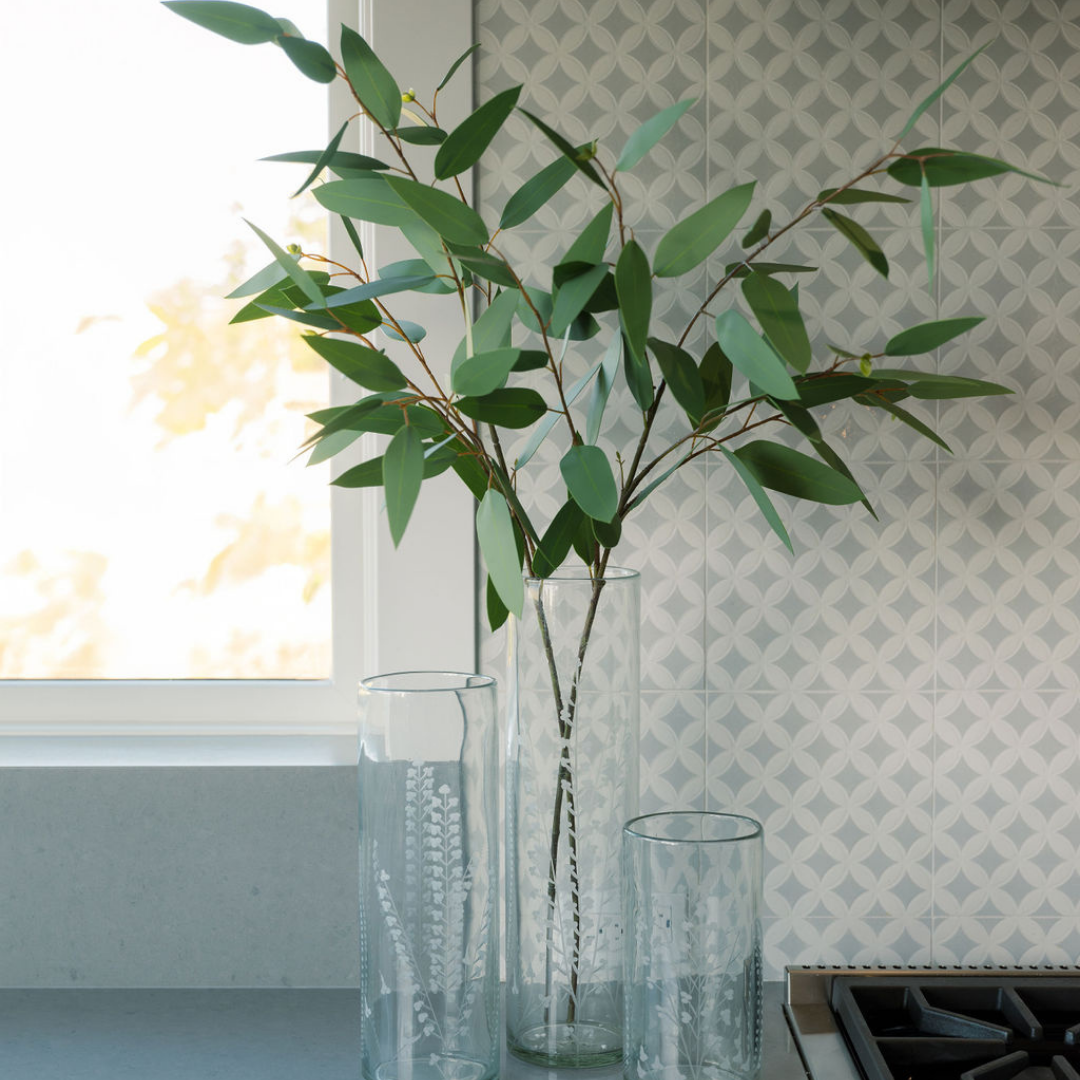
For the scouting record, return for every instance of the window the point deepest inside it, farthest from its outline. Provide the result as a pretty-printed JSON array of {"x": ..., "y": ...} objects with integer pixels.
[{"x": 162, "y": 568}]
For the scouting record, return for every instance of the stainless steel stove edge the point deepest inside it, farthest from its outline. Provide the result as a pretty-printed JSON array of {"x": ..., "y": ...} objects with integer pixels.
[{"x": 822, "y": 1047}]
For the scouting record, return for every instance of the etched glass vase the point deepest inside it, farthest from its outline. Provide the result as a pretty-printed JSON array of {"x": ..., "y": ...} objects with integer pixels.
[
  {"x": 429, "y": 864},
  {"x": 571, "y": 783}
]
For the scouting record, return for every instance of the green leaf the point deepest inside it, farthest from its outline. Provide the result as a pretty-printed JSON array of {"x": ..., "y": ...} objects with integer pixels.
[
  {"x": 323, "y": 159},
  {"x": 760, "y": 496},
  {"x": 496, "y": 609},
  {"x": 308, "y": 318},
  {"x": 825, "y": 389},
  {"x": 456, "y": 64},
  {"x": 421, "y": 135},
  {"x": 716, "y": 373},
  {"x": 344, "y": 418},
  {"x": 682, "y": 376},
  {"x": 368, "y": 198},
  {"x": 903, "y": 415},
  {"x": 354, "y": 236},
  {"x": 944, "y": 387},
  {"x": 370, "y": 473},
  {"x": 237, "y": 22},
  {"x": 334, "y": 444},
  {"x": 649, "y": 134},
  {"x": 403, "y": 473},
  {"x": 696, "y": 237},
  {"x": 585, "y": 541},
  {"x": 418, "y": 269},
  {"x": 759, "y": 230},
  {"x": 945, "y": 168},
  {"x": 572, "y": 297},
  {"x": 926, "y": 213},
  {"x": 608, "y": 533},
  {"x": 265, "y": 279},
  {"x": 633, "y": 284},
  {"x": 931, "y": 98},
  {"x": 605, "y": 379},
  {"x": 638, "y": 376},
  {"x": 467, "y": 142},
  {"x": 852, "y": 196},
  {"x": 511, "y": 407},
  {"x": 589, "y": 479},
  {"x": 581, "y": 329},
  {"x": 740, "y": 270},
  {"x": 342, "y": 161},
  {"x": 291, "y": 267},
  {"x": 379, "y": 287},
  {"x": 541, "y": 431},
  {"x": 535, "y": 192},
  {"x": 928, "y": 336},
  {"x": 390, "y": 418},
  {"x": 374, "y": 85},
  {"x": 558, "y": 539},
  {"x": 753, "y": 356},
  {"x": 531, "y": 360},
  {"x": 861, "y": 240},
  {"x": 411, "y": 331},
  {"x": 357, "y": 362},
  {"x": 310, "y": 58},
  {"x": 778, "y": 314},
  {"x": 591, "y": 244},
  {"x": 495, "y": 532},
  {"x": 579, "y": 157},
  {"x": 361, "y": 318},
  {"x": 445, "y": 213},
  {"x": 779, "y": 467},
  {"x": 485, "y": 265},
  {"x": 490, "y": 331},
  {"x": 483, "y": 372}
]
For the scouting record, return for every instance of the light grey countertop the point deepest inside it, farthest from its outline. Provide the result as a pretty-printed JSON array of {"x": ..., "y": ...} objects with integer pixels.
[{"x": 283, "y": 1034}]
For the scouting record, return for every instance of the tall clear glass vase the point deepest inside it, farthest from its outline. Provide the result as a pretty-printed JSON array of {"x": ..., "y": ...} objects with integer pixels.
[
  {"x": 571, "y": 783},
  {"x": 429, "y": 867}
]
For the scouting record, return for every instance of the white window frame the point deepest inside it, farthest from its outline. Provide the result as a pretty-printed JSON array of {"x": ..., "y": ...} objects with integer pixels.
[{"x": 414, "y": 607}]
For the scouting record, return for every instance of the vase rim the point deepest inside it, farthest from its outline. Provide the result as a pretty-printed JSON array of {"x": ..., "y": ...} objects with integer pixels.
[
  {"x": 582, "y": 573},
  {"x": 637, "y": 827},
  {"x": 413, "y": 682}
]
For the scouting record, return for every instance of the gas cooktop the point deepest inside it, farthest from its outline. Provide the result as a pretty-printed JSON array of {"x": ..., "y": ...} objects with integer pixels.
[{"x": 936, "y": 1023}]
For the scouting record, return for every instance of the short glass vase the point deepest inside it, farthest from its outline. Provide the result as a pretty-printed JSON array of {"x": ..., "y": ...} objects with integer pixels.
[
  {"x": 692, "y": 976},
  {"x": 429, "y": 866}
]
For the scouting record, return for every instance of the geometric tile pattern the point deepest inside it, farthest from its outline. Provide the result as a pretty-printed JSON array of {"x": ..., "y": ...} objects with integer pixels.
[{"x": 898, "y": 702}]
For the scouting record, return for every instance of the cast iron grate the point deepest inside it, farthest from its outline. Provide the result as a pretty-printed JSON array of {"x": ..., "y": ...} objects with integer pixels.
[{"x": 972, "y": 1027}]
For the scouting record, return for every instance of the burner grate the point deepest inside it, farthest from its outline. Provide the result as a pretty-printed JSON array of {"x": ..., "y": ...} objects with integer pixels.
[{"x": 973, "y": 1027}]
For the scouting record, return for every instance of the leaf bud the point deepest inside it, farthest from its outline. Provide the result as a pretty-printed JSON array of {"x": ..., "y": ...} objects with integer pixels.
[
  {"x": 294, "y": 249},
  {"x": 409, "y": 95},
  {"x": 865, "y": 366}
]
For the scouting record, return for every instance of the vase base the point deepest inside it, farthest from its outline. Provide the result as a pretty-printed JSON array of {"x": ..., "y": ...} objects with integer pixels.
[
  {"x": 568, "y": 1046},
  {"x": 434, "y": 1067}
]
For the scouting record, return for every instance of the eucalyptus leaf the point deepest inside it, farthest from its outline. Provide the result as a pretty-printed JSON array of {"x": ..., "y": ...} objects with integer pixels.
[
  {"x": 543, "y": 429},
  {"x": 341, "y": 160},
  {"x": 334, "y": 444},
  {"x": 536, "y": 191},
  {"x": 495, "y": 532},
  {"x": 237, "y": 22},
  {"x": 825, "y": 389},
  {"x": 753, "y": 356},
  {"x": 932, "y": 97},
  {"x": 944, "y": 168},
  {"x": 490, "y": 331},
  {"x": 690, "y": 242},
  {"x": 740, "y": 270},
  {"x": 357, "y": 362},
  {"x": 760, "y": 496},
  {"x": 379, "y": 287},
  {"x": 323, "y": 160},
  {"x": 354, "y": 236},
  {"x": 291, "y": 267},
  {"x": 370, "y": 473},
  {"x": 445, "y": 213},
  {"x": 467, "y": 142},
  {"x": 789, "y": 471},
  {"x": 860, "y": 239},
  {"x": 608, "y": 533},
  {"x": 488, "y": 267},
  {"x": 558, "y": 539},
  {"x": 926, "y": 215},
  {"x": 308, "y": 318},
  {"x": 591, "y": 243},
  {"x": 456, "y": 64},
  {"x": 588, "y": 477},
  {"x": 649, "y": 488},
  {"x": 411, "y": 331},
  {"x": 905, "y": 417},
  {"x": 716, "y": 372},
  {"x": 421, "y": 135},
  {"x": 510, "y": 407},
  {"x": 778, "y": 313},
  {"x": 483, "y": 372},
  {"x": 605, "y": 380},
  {"x": 368, "y": 198},
  {"x": 853, "y": 196},
  {"x": 633, "y": 284},
  {"x": 372, "y": 83},
  {"x": 945, "y": 387},
  {"x": 259, "y": 282},
  {"x": 928, "y": 336},
  {"x": 578, "y": 156},
  {"x": 403, "y": 473},
  {"x": 649, "y": 134},
  {"x": 310, "y": 58},
  {"x": 681, "y": 375},
  {"x": 759, "y": 230},
  {"x": 572, "y": 297}
]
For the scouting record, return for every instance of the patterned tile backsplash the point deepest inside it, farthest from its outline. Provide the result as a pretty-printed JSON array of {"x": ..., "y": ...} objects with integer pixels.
[{"x": 898, "y": 702}]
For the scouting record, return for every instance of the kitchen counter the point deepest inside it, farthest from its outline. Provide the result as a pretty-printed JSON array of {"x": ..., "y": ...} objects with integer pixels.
[{"x": 231, "y": 1035}]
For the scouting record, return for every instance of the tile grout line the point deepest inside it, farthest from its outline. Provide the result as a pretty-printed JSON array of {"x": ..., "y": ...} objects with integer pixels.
[{"x": 706, "y": 796}]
